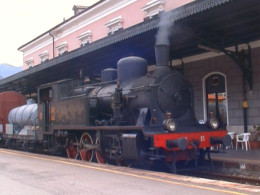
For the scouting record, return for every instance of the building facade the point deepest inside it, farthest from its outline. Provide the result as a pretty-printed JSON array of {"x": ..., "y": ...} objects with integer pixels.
[{"x": 90, "y": 24}]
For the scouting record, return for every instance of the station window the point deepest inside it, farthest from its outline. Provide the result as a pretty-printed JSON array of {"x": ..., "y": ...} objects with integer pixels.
[
  {"x": 215, "y": 98},
  {"x": 44, "y": 56},
  {"x": 62, "y": 48},
  {"x": 85, "y": 38},
  {"x": 29, "y": 62},
  {"x": 153, "y": 8},
  {"x": 114, "y": 25}
]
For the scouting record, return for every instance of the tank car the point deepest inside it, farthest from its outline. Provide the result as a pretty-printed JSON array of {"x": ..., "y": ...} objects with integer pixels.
[
  {"x": 131, "y": 116},
  {"x": 22, "y": 126}
]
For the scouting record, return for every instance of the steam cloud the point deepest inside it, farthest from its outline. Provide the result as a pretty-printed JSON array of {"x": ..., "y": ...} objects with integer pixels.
[{"x": 164, "y": 31}]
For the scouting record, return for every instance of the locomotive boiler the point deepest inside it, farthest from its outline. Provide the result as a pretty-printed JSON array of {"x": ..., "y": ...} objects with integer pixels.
[{"x": 130, "y": 116}]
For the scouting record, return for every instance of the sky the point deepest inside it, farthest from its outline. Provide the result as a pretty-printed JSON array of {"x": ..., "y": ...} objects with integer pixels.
[{"x": 23, "y": 20}]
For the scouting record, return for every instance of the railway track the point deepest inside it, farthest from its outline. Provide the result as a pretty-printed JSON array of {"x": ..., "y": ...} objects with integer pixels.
[{"x": 218, "y": 173}]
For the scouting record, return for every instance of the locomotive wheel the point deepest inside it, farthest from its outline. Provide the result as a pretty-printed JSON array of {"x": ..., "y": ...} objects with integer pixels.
[
  {"x": 86, "y": 153},
  {"x": 98, "y": 154},
  {"x": 172, "y": 167},
  {"x": 72, "y": 149},
  {"x": 113, "y": 151}
]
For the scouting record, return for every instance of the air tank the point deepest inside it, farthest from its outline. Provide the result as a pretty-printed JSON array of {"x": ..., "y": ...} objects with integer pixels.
[{"x": 24, "y": 115}]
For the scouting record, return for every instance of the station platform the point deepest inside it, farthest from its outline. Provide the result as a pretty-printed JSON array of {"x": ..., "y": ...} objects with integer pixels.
[
  {"x": 58, "y": 175},
  {"x": 239, "y": 163},
  {"x": 239, "y": 156}
]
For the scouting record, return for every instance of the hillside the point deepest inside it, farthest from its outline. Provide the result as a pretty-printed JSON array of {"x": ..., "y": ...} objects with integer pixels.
[{"x": 7, "y": 70}]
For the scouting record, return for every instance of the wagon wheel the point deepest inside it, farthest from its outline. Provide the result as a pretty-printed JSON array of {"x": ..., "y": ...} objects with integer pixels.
[
  {"x": 86, "y": 151},
  {"x": 98, "y": 153},
  {"x": 72, "y": 148},
  {"x": 25, "y": 146}
]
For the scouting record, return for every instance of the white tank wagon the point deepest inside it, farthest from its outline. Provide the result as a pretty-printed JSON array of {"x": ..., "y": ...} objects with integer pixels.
[
  {"x": 23, "y": 128},
  {"x": 25, "y": 115}
]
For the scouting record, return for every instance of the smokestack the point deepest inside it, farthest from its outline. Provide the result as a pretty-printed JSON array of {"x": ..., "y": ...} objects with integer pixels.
[
  {"x": 162, "y": 55},
  {"x": 163, "y": 41}
]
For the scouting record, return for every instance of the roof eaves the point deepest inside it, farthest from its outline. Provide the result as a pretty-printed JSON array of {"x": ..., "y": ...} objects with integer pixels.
[{"x": 195, "y": 8}]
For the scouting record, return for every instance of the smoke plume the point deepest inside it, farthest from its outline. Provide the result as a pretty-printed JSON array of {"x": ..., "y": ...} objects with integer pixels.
[{"x": 164, "y": 31}]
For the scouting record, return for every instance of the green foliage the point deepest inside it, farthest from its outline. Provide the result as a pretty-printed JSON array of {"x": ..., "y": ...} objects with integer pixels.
[{"x": 255, "y": 132}]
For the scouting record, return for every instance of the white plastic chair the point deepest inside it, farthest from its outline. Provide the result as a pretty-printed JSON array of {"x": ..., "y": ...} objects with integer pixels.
[
  {"x": 243, "y": 138},
  {"x": 232, "y": 135}
]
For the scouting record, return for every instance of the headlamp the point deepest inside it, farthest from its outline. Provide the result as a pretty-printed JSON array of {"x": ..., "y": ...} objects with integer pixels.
[
  {"x": 169, "y": 124},
  {"x": 214, "y": 123}
]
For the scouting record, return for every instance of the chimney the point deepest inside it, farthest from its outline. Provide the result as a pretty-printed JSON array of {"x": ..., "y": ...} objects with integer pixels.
[
  {"x": 162, "y": 55},
  {"x": 78, "y": 8}
]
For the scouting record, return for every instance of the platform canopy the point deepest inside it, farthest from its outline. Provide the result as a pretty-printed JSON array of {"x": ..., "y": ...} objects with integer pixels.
[{"x": 209, "y": 23}]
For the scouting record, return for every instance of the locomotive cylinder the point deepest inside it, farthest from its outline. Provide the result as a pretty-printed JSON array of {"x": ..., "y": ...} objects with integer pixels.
[{"x": 24, "y": 115}]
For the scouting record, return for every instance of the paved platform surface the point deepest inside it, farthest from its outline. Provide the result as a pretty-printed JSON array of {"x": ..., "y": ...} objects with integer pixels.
[
  {"x": 27, "y": 173},
  {"x": 239, "y": 155}
]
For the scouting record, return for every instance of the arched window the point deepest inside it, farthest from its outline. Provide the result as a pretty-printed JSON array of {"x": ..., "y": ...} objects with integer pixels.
[{"x": 215, "y": 98}]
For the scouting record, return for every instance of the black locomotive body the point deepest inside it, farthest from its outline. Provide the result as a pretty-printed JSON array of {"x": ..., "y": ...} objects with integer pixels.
[
  {"x": 130, "y": 116},
  {"x": 135, "y": 116}
]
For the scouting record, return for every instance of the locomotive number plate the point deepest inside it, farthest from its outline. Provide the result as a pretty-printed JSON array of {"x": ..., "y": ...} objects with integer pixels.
[{"x": 93, "y": 102}]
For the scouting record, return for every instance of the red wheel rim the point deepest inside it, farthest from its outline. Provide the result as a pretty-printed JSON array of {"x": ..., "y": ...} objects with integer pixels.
[
  {"x": 99, "y": 157},
  {"x": 85, "y": 154},
  {"x": 72, "y": 150}
]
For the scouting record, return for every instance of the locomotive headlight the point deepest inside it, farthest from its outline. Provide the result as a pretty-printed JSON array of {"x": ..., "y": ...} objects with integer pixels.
[
  {"x": 214, "y": 123},
  {"x": 169, "y": 124}
]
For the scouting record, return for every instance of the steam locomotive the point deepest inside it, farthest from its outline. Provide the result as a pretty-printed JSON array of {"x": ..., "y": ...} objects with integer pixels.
[{"x": 130, "y": 116}]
